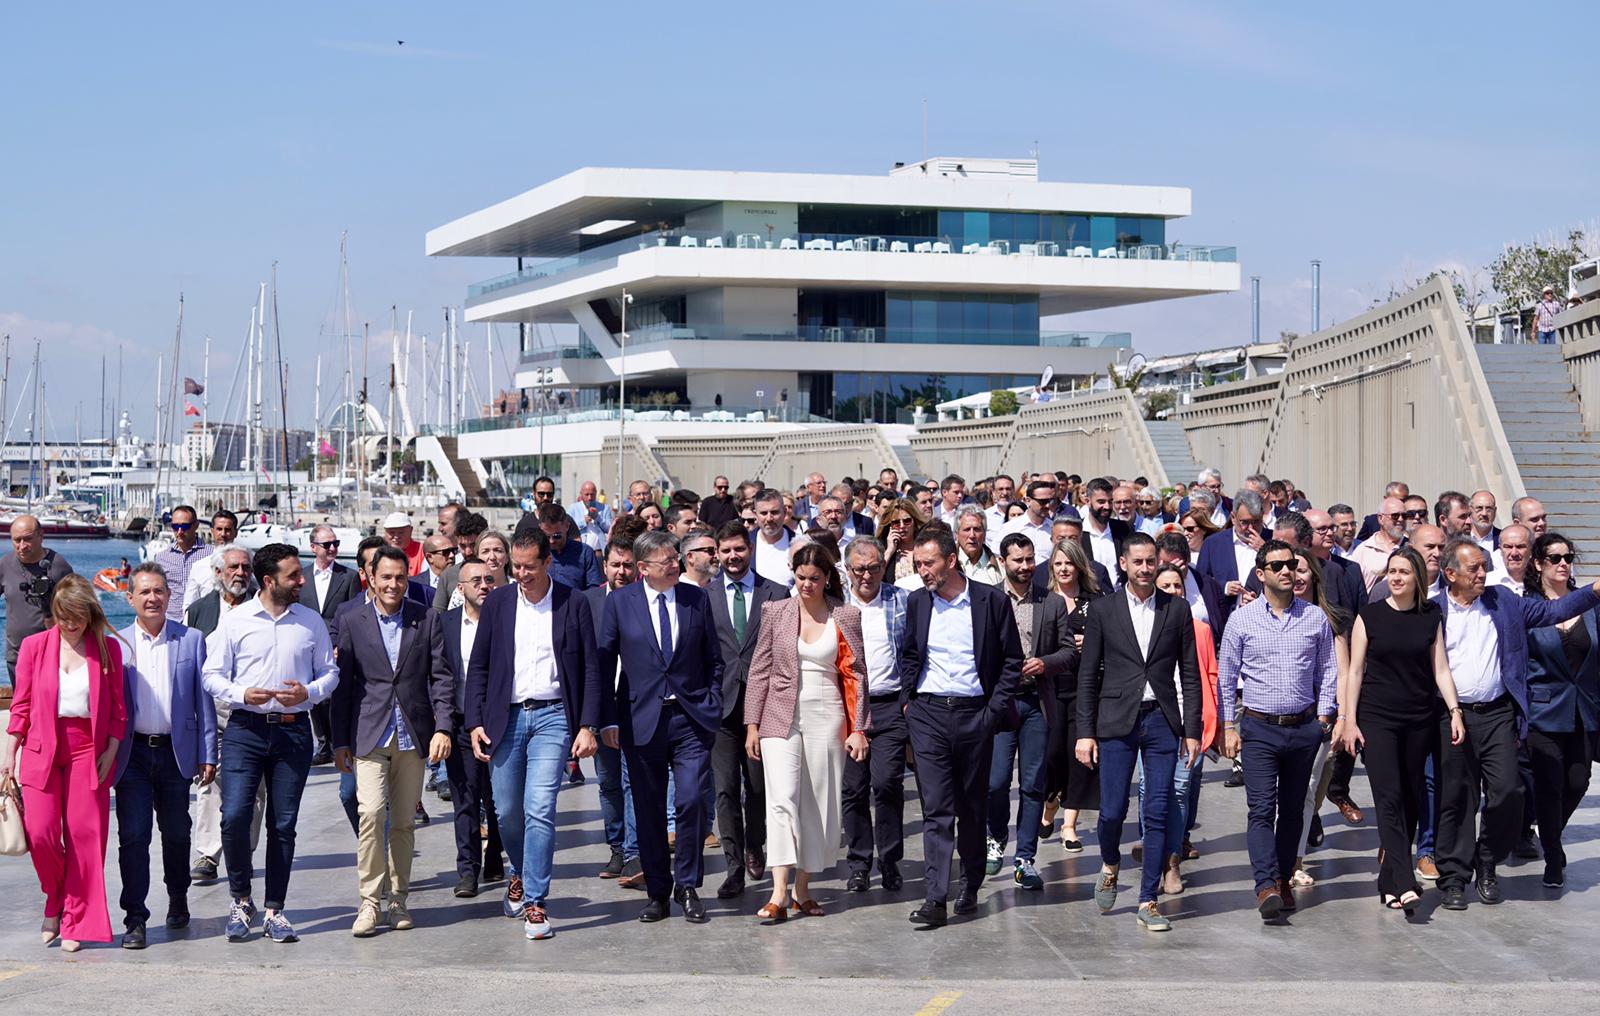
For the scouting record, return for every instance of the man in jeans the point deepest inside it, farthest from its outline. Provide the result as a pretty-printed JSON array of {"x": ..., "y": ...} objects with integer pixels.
[
  {"x": 1544, "y": 316},
  {"x": 272, "y": 661}
]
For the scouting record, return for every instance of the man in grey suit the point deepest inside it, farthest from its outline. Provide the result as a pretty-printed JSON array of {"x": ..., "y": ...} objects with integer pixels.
[
  {"x": 329, "y": 585},
  {"x": 737, "y": 596},
  {"x": 391, "y": 715}
]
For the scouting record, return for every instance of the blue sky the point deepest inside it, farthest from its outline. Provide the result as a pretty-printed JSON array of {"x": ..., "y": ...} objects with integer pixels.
[{"x": 148, "y": 152}]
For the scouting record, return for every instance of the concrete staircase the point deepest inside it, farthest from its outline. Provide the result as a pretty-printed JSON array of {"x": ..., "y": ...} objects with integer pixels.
[
  {"x": 1558, "y": 458},
  {"x": 1172, "y": 447},
  {"x": 471, "y": 487}
]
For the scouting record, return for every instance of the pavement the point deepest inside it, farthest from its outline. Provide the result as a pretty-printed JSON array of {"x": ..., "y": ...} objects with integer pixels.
[{"x": 1340, "y": 952}]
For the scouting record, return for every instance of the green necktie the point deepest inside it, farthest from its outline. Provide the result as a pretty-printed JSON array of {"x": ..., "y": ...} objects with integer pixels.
[{"x": 739, "y": 616}]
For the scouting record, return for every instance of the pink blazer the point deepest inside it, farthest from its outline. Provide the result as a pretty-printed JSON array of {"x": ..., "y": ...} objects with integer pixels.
[
  {"x": 33, "y": 710},
  {"x": 772, "y": 688}
]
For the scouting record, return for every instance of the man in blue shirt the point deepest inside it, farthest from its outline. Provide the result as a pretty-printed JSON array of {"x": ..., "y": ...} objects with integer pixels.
[{"x": 571, "y": 562}]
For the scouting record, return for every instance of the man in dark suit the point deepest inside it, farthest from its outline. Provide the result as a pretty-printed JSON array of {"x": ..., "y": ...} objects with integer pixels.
[
  {"x": 959, "y": 668},
  {"x": 472, "y": 793},
  {"x": 1227, "y": 556},
  {"x": 391, "y": 716},
  {"x": 1023, "y": 738},
  {"x": 172, "y": 739},
  {"x": 329, "y": 586},
  {"x": 1138, "y": 653},
  {"x": 533, "y": 701},
  {"x": 1103, "y": 535},
  {"x": 737, "y": 596},
  {"x": 616, "y": 798},
  {"x": 720, "y": 508},
  {"x": 667, "y": 708}
]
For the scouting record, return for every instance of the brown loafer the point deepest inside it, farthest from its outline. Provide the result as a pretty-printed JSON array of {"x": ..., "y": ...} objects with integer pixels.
[
  {"x": 1287, "y": 892},
  {"x": 634, "y": 881},
  {"x": 810, "y": 908},
  {"x": 1348, "y": 809},
  {"x": 1269, "y": 902}
]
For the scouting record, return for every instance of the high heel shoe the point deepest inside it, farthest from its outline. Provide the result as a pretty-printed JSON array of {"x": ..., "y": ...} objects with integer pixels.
[
  {"x": 1409, "y": 900},
  {"x": 70, "y": 945},
  {"x": 808, "y": 907},
  {"x": 50, "y": 930},
  {"x": 773, "y": 913}
]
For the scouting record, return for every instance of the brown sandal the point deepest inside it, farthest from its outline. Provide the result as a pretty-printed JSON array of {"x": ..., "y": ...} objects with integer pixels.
[
  {"x": 810, "y": 908},
  {"x": 773, "y": 912}
]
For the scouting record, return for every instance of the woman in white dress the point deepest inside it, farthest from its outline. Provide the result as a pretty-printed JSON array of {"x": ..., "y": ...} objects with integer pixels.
[{"x": 805, "y": 707}]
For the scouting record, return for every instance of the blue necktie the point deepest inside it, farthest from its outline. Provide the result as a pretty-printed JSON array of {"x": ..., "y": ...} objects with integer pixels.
[{"x": 666, "y": 628}]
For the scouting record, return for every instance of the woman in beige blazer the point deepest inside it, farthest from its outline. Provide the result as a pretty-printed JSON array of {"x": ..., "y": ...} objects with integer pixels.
[{"x": 805, "y": 706}]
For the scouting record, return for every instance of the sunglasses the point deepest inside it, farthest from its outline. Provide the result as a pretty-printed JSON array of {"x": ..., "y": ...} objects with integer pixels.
[
  {"x": 182, "y": 527},
  {"x": 1277, "y": 566},
  {"x": 1561, "y": 558},
  {"x": 1421, "y": 513},
  {"x": 447, "y": 552},
  {"x": 328, "y": 545},
  {"x": 1191, "y": 528}
]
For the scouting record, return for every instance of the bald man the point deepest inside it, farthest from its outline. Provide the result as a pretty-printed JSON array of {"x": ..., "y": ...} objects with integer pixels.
[
  {"x": 28, "y": 577},
  {"x": 1484, "y": 531},
  {"x": 1511, "y": 559},
  {"x": 1428, "y": 541},
  {"x": 1530, "y": 512},
  {"x": 1372, "y": 556}
]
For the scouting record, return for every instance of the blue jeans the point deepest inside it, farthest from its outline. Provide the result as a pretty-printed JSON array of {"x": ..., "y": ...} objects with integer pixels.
[
  {"x": 1181, "y": 805},
  {"x": 1547, "y": 338},
  {"x": 1152, "y": 743},
  {"x": 1277, "y": 777},
  {"x": 1428, "y": 818},
  {"x": 152, "y": 791},
  {"x": 253, "y": 750},
  {"x": 1026, "y": 747},
  {"x": 526, "y": 773},
  {"x": 616, "y": 802}
]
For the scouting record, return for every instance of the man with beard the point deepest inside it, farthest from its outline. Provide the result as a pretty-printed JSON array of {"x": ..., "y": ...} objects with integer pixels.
[{"x": 1102, "y": 533}]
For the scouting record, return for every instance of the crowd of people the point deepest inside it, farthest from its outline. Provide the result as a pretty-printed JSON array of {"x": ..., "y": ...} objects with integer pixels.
[{"x": 755, "y": 671}]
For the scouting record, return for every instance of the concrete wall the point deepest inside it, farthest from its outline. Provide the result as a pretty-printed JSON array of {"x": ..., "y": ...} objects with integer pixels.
[
  {"x": 1578, "y": 331},
  {"x": 1227, "y": 425},
  {"x": 969, "y": 448}
]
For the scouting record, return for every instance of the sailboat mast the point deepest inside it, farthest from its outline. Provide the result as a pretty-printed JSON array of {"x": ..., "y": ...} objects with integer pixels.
[
  {"x": 316, "y": 426},
  {"x": 283, "y": 398},
  {"x": 361, "y": 418},
  {"x": 205, "y": 405},
  {"x": 394, "y": 355}
]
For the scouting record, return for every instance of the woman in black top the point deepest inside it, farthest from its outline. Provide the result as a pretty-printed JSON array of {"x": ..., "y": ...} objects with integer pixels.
[
  {"x": 1563, "y": 702},
  {"x": 1398, "y": 674},
  {"x": 1074, "y": 786}
]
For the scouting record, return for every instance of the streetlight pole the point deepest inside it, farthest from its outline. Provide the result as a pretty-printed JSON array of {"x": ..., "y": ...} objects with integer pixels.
[{"x": 622, "y": 397}]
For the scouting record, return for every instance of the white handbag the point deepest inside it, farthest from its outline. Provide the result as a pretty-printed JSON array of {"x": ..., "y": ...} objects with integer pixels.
[{"x": 13, "y": 837}]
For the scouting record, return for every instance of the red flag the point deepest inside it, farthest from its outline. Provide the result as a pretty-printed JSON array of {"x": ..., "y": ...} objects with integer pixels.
[{"x": 189, "y": 410}]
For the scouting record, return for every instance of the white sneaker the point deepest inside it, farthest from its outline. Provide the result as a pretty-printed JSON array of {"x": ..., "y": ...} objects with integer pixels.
[{"x": 536, "y": 923}]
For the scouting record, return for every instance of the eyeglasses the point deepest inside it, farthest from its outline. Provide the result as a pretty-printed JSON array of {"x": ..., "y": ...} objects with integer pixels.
[
  {"x": 862, "y": 571},
  {"x": 447, "y": 552},
  {"x": 721, "y": 486},
  {"x": 328, "y": 545},
  {"x": 1420, "y": 514},
  {"x": 1561, "y": 558},
  {"x": 182, "y": 527},
  {"x": 1277, "y": 566},
  {"x": 662, "y": 562}
]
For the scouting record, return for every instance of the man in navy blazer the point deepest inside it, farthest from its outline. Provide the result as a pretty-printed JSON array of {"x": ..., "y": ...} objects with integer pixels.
[
  {"x": 472, "y": 795},
  {"x": 533, "y": 700},
  {"x": 172, "y": 739},
  {"x": 1221, "y": 552},
  {"x": 1486, "y": 640},
  {"x": 959, "y": 668},
  {"x": 666, "y": 707}
]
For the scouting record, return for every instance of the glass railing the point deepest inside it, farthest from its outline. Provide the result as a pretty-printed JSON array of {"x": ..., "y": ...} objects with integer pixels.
[
  {"x": 850, "y": 243},
  {"x": 642, "y": 412},
  {"x": 656, "y": 334}
]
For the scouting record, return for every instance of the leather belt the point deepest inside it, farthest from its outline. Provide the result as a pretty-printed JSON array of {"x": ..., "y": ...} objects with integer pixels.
[
  {"x": 153, "y": 740},
  {"x": 1281, "y": 719},
  {"x": 891, "y": 696},
  {"x": 956, "y": 701},
  {"x": 539, "y": 703},
  {"x": 1484, "y": 707}
]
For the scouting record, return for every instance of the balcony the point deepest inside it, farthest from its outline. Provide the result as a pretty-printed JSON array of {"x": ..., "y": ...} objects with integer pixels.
[
  {"x": 834, "y": 243},
  {"x": 636, "y": 412},
  {"x": 654, "y": 335}
]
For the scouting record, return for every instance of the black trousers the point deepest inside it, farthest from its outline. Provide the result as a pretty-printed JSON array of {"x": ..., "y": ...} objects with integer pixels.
[
  {"x": 684, "y": 747},
  {"x": 741, "y": 791},
  {"x": 1344, "y": 767},
  {"x": 470, "y": 791},
  {"x": 1561, "y": 763},
  {"x": 953, "y": 741},
  {"x": 322, "y": 724},
  {"x": 1396, "y": 755},
  {"x": 874, "y": 793},
  {"x": 1482, "y": 768}
]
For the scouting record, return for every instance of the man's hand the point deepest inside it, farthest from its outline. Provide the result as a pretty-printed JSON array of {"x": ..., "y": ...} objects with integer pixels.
[
  {"x": 344, "y": 760},
  {"x": 1230, "y": 742},
  {"x": 611, "y": 737},
  {"x": 1033, "y": 667},
  {"x": 257, "y": 696},
  {"x": 752, "y": 742},
  {"x": 1190, "y": 752},
  {"x": 480, "y": 744},
  {"x": 856, "y": 746},
  {"x": 293, "y": 694},
  {"x": 584, "y": 745},
  {"x": 1247, "y": 597},
  {"x": 439, "y": 747},
  {"x": 1252, "y": 538},
  {"x": 1088, "y": 751},
  {"x": 208, "y": 774},
  {"x": 1234, "y": 588}
]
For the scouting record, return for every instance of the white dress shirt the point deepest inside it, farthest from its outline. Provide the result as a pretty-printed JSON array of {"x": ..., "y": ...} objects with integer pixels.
[
  {"x": 256, "y": 650},
  {"x": 203, "y": 576},
  {"x": 152, "y": 686},
  {"x": 1143, "y": 613},
  {"x": 536, "y": 676},
  {"x": 1484, "y": 542},
  {"x": 1244, "y": 558},
  {"x": 996, "y": 517},
  {"x": 883, "y": 671},
  {"x": 72, "y": 692},
  {"x": 652, "y": 600},
  {"x": 1039, "y": 534},
  {"x": 1473, "y": 648},
  {"x": 1104, "y": 546},
  {"x": 1197, "y": 603},
  {"x": 950, "y": 664},
  {"x": 322, "y": 578}
]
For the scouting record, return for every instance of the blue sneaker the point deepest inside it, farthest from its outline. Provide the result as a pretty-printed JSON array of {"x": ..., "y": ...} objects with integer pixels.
[
  {"x": 279, "y": 929},
  {"x": 240, "y": 915}
]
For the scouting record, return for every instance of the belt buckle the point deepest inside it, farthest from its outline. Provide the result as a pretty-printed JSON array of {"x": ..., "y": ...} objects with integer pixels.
[{"x": 152, "y": 740}]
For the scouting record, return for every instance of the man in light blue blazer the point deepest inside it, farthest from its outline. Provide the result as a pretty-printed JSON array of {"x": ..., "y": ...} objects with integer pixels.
[{"x": 172, "y": 740}]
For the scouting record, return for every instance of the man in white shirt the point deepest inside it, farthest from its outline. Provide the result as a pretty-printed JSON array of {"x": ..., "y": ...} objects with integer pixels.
[
  {"x": 1103, "y": 533},
  {"x": 1510, "y": 570},
  {"x": 202, "y": 580},
  {"x": 1035, "y": 522},
  {"x": 1484, "y": 510},
  {"x": 952, "y": 491},
  {"x": 772, "y": 539},
  {"x": 173, "y": 742},
  {"x": 273, "y": 661},
  {"x": 1001, "y": 492}
]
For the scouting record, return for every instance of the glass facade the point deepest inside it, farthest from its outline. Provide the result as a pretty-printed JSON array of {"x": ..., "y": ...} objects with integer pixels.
[
  {"x": 885, "y": 398},
  {"x": 1004, "y": 319},
  {"x": 961, "y": 226}
]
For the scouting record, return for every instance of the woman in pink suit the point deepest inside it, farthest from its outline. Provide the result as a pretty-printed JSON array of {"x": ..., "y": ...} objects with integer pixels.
[{"x": 68, "y": 717}]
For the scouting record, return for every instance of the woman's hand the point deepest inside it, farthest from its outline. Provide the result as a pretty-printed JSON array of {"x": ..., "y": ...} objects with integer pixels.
[
  {"x": 856, "y": 746},
  {"x": 104, "y": 764},
  {"x": 752, "y": 742},
  {"x": 1350, "y": 740},
  {"x": 1458, "y": 727}
]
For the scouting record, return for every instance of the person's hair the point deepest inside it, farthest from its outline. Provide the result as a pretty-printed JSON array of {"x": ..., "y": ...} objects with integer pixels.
[
  {"x": 1261, "y": 480},
  {"x": 74, "y": 598},
  {"x": 223, "y": 513},
  {"x": 1278, "y": 487},
  {"x": 1136, "y": 539},
  {"x": 766, "y": 495},
  {"x": 471, "y": 524},
  {"x": 939, "y": 536},
  {"x": 1393, "y": 488},
  {"x": 1175, "y": 544},
  {"x": 973, "y": 510},
  {"x": 1452, "y": 552},
  {"x": 388, "y": 553},
  {"x": 1270, "y": 547},
  {"x": 456, "y": 507},
  {"x": 1541, "y": 547},
  {"x": 1100, "y": 485},
  {"x": 675, "y": 512},
  {"x": 1447, "y": 503},
  {"x": 1035, "y": 483},
  {"x": 1011, "y": 540},
  {"x": 1014, "y": 509},
  {"x": 1202, "y": 518},
  {"x": 821, "y": 555},
  {"x": 1251, "y": 502},
  {"x": 550, "y": 514},
  {"x": 860, "y": 548},
  {"x": 732, "y": 530},
  {"x": 323, "y": 527},
  {"x": 534, "y": 538},
  {"x": 219, "y": 561},
  {"x": 652, "y": 541},
  {"x": 1087, "y": 583},
  {"x": 1202, "y": 496},
  {"x": 901, "y": 506},
  {"x": 1296, "y": 522},
  {"x": 184, "y": 508},
  {"x": 148, "y": 568},
  {"x": 613, "y": 547},
  {"x": 1419, "y": 573},
  {"x": 628, "y": 528},
  {"x": 268, "y": 557},
  {"x": 1169, "y": 569},
  {"x": 1208, "y": 473},
  {"x": 1340, "y": 509},
  {"x": 1339, "y": 619},
  {"x": 951, "y": 481}
]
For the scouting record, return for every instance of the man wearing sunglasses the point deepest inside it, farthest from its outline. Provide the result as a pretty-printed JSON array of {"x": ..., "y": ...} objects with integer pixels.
[
  {"x": 330, "y": 587},
  {"x": 180, "y": 558}
]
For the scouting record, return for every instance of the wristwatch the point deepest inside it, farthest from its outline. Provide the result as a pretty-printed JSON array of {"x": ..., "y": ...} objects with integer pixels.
[{"x": 591, "y": 728}]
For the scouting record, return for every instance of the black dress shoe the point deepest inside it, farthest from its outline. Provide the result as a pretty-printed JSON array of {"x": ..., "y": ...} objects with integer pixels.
[
  {"x": 1235, "y": 776},
  {"x": 655, "y": 910},
  {"x": 755, "y": 863},
  {"x": 1488, "y": 886},
  {"x": 892, "y": 880},
  {"x": 133, "y": 938},
  {"x": 857, "y": 882},
  {"x": 177, "y": 915},
  {"x": 492, "y": 873},
  {"x": 930, "y": 914},
  {"x": 1315, "y": 836},
  {"x": 1455, "y": 898},
  {"x": 466, "y": 887},
  {"x": 966, "y": 902},
  {"x": 613, "y": 868},
  {"x": 323, "y": 756},
  {"x": 1527, "y": 847},
  {"x": 693, "y": 910},
  {"x": 732, "y": 887}
]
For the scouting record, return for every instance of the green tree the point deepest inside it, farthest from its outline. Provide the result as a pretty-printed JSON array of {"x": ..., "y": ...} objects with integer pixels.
[
  {"x": 1130, "y": 381},
  {"x": 1522, "y": 271},
  {"x": 1158, "y": 403},
  {"x": 1002, "y": 402}
]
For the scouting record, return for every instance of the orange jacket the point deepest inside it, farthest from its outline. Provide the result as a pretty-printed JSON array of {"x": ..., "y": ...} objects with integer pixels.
[{"x": 1205, "y": 648}]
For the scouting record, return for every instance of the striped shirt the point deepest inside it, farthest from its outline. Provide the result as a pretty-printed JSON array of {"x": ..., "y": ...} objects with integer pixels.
[{"x": 1283, "y": 664}]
